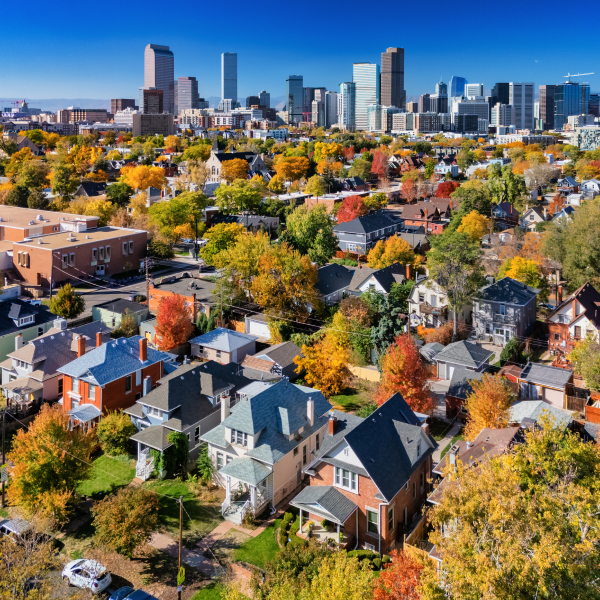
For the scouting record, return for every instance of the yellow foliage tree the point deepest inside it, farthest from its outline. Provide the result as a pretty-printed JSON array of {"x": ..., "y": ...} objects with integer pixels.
[
  {"x": 327, "y": 150},
  {"x": 17, "y": 160},
  {"x": 142, "y": 177},
  {"x": 276, "y": 185},
  {"x": 234, "y": 169},
  {"x": 138, "y": 204},
  {"x": 51, "y": 139},
  {"x": 293, "y": 168},
  {"x": 475, "y": 225},
  {"x": 393, "y": 250},
  {"x": 335, "y": 166}
]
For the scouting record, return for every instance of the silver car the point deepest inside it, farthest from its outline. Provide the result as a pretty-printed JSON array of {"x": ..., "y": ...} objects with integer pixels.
[{"x": 87, "y": 575}]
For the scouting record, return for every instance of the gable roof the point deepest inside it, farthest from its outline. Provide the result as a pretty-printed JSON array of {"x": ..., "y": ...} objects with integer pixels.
[
  {"x": 386, "y": 277},
  {"x": 7, "y": 326},
  {"x": 283, "y": 354},
  {"x": 508, "y": 291},
  {"x": 464, "y": 353},
  {"x": 333, "y": 277},
  {"x": 589, "y": 299},
  {"x": 414, "y": 239},
  {"x": 223, "y": 339},
  {"x": 93, "y": 188},
  {"x": 546, "y": 375},
  {"x": 328, "y": 499},
  {"x": 429, "y": 351},
  {"x": 418, "y": 211},
  {"x": 568, "y": 180},
  {"x": 535, "y": 409},
  {"x": 367, "y": 223},
  {"x": 460, "y": 384},
  {"x": 507, "y": 208},
  {"x": 120, "y": 305}
]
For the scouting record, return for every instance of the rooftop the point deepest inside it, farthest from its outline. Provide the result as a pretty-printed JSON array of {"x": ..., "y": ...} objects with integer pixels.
[
  {"x": 186, "y": 286},
  {"x": 64, "y": 239},
  {"x": 535, "y": 409},
  {"x": 7, "y": 325},
  {"x": 120, "y": 305},
  {"x": 509, "y": 291},
  {"x": 546, "y": 375},
  {"x": 225, "y": 340},
  {"x": 367, "y": 223},
  {"x": 464, "y": 353},
  {"x": 13, "y": 216}
]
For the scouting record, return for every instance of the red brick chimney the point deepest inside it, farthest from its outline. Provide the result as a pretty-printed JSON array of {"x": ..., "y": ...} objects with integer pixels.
[
  {"x": 407, "y": 271},
  {"x": 143, "y": 349},
  {"x": 425, "y": 212},
  {"x": 98, "y": 339},
  {"x": 80, "y": 346},
  {"x": 332, "y": 424}
]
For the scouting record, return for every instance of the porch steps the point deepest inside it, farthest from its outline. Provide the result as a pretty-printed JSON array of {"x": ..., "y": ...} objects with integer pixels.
[{"x": 136, "y": 481}]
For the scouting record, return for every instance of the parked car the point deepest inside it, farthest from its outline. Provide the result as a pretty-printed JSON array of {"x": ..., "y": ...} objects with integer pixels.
[
  {"x": 128, "y": 593},
  {"x": 87, "y": 575}
]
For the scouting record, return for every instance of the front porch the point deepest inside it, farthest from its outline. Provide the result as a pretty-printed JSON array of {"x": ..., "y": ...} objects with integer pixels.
[
  {"x": 149, "y": 438},
  {"x": 85, "y": 416},
  {"x": 24, "y": 395}
]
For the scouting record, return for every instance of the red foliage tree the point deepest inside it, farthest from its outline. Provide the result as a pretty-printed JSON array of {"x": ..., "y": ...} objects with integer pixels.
[
  {"x": 446, "y": 188},
  {"x": 379, "y": 163},
  {"x": 400, "y": 580},
  {"x": 403, "y": 371},
  {"x": 349, "y": 153},
  {"x": 556, "y": 204},
  {"x": 352, "y": 207},
  {"x": 173, "y": 323},
  {"x": 409, "y": 190}
]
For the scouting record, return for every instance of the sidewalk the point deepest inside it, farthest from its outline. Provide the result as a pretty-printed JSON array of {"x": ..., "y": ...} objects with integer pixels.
[
  {"x": 209, "y": 540},
  {"x": 437, "y": 455}
]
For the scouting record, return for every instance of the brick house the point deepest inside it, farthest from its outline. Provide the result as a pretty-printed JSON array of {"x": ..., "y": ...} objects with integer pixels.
[
  {"x": 198, "y": 293},
  {"x": 369, "y": 476},
  {"x": 424, "y": 214},
  {"x": 111, "y": 376}
]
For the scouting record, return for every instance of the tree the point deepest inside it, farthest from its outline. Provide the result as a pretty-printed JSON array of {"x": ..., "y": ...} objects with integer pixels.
[
  {"x": 403, "y": 371},
  {"x": 236, "y": 168},
  {"x": 586, "y": 358},
  {"x": 276, "y": 185},
  {"x": 292, "y": 168},
  {"x": 238, "y": 197},
  {"x": 310, "y": 231},
  {"x": 464, "y": 159},
  {"x": 160, "y": 249},
  {"x": 50, "y": 458},
  {"x": 539, "y": 176},
  {"x": 327, "y": 150},
  {"x": 315, "y": 186},
  {"x": 17, "y": 161},
  {"x": 446, "y": 188},
  {"x": 409, "y": 190},
  {"x": 400, "y": 579},
  {"x": 455, "y": 263},
  {"x": 18, "y": 196},
  {"x": 360, "y": 167},
  {"x": 64, "y": 183},
  {"x": 167, "y": 216},
  {"x": 389, "y": 319},
  {"x": 444, "y": 334},
  {"x": 487, "y": 404},
  {"x": 37, "y": 199},
  {"x": 67, "y": 303},
  {"x": 506, "y": 186},
  {"x": 119, "y": 193},
  {"x": 393, "y": 250},
  {"x": 142, "y": 177},
  {"x": 220, "y": 237},
  {"x": 352, "y": 207},
  {"x": 473, "y": 195},
  {"x": 34, "y": 175},
  {"x": 173, "y": 324},
  {"x": 510, "y": 352},
  {"x": 474, "y": 225},
  {"x": 376, "y": 201},
  {"x": 114, "y": 431},
  {"x": 378, "y": 167},
  {"x": 206, "y": 466},
  {"x": 126, "y": 520}
]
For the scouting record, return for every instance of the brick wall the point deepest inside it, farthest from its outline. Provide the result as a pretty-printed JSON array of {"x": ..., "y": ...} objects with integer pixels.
[{"x": 156, "y": 295}]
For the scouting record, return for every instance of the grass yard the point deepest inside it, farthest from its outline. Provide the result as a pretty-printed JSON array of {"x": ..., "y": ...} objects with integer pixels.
[
  {"x": 353, "y": 399},
  {"x": 438, "y": 428},
  {"x": 205, "y": 512},
  {"x": 261, "y": 549},
  {"x": 458, "y": 436},
  {"x": 213, "y": 591},
  {"x": 107, "y": 475}
]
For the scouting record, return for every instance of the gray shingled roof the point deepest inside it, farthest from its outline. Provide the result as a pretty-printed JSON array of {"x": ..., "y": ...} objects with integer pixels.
[
  {"x": 509, "y": 291},
  {"x": 429, "y": 351},
  {"x": 245, "y": 469},
  {"x": 326, "y": 498},
  {"x": 85, "y": 412},
  {"x": 41, "y": 313},
  {"x": 120, "y": 305},
  {"x": 546, "y": 375},
  {"x": 367, "y": 223},
  {"x": 223, "y": 339},
  {"x": 534, "y": 409},
  {"x": 283, "y": 354},
  {"x": 387, "y": 276},
  {"x": 333, "y": 277},
  {"x": 460, "y": 385},
  {"x": 464, "y": 353},
  {"x": 154, "y": 436}
]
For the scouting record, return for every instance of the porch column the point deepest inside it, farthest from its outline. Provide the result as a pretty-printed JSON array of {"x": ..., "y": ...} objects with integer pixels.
[
  {"x": 227, "y": 487},
  {"x": 338, "y": 533},
  {"x": 253, "y": 496},
  {"x": 300, "y": 521}
]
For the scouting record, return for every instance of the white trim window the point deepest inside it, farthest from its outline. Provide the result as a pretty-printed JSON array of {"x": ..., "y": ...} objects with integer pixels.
[
  {"x": 155, "y": 412},
  {"x": 239, "y": 437},
  {"x": 372, "y": 521},
  {"x": 347, "y": 480},
  {"x": 390, "y": 519}
]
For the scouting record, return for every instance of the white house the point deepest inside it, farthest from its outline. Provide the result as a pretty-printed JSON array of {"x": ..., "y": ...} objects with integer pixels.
[
  {"x": 591, "y": 187},
  {"x": 428, "y": 306},
  {"x": 532, "y": 216}
]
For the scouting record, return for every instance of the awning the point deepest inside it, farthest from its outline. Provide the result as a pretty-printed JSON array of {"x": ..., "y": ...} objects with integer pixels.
[
  {"x": 246, "y": 470},
  {"x": 85, "y": 413},
  {"x": 325, "y": 501}
]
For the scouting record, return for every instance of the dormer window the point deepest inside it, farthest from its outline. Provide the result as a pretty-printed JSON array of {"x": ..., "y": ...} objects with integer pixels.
[
  {"x": 25, "y": 320},
  {"x": 155, "y": 412},
  {"x": 239, "y": 437}
]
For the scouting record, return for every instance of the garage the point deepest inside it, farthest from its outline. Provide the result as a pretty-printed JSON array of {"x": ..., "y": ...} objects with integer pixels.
[
  {"x": 257, "y": 325},
  {"x": 554, "y": 397}
]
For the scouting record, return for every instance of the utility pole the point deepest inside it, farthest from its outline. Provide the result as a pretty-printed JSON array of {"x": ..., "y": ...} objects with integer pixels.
[
  {"x": 180, "y": 529},
  {"x": 147, "y": 282},
  {"x": 3, "y": 475}
]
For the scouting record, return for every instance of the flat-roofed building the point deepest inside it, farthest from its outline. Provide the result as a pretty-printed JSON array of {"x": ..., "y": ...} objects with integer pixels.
[{"x": 153, "y": 124}]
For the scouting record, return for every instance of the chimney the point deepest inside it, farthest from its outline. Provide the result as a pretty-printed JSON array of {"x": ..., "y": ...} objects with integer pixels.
[
  {"x": 147, "y": 385},
  {"x": 452, "y": 455},
  {"x": 225, "y": 400},
  {"x": 98, "y": 339},
  {"x": 574, "y": 307},
  {"x": 332, "y": 423},
  {"x": 80, "y": 346},
  {"x": 407, "y": 271},
  {"x": 425, "y": 427},
  {"x": 545, "y": 213},
  {"x": 425, "y": 211},
  {"x": 310, "y": 411},
  {"x": 143, "y": 349},
  {"x": 19, "y": 341},
  {"x": 559, "y": 295}
]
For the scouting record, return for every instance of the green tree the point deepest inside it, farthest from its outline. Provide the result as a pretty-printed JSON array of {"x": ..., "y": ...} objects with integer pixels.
[
  {"x": 167, "y": 216},
  {"x": 119, "y": 193},
  {"x": 18, "y": 196},
  {"x": 474, "y": 195},
  {"x": 389, "y": 317},
  {"x": 220, "y": 237},
  {"x": 586, "y": 358},
  {"x": 464, "y": 159},
  {"x": 67, "y": 303},
  {"x": 206, "y": 467},
  {"x": 63, "y": 182},
  {"x": 511, "y": 352},
  {"x": 239, "y": 196},
  {"x": 315, "y": 186},
  {"x": 114, "y": 431},
  {"x": 310, "y": 231},
  {"x": 361, "y": 168},
  {"x": 506, "y": 186},
  {"x": 160, "y": 249},
  {"x": 37, "y": 199},
  {"x": 34, "y": 175}
]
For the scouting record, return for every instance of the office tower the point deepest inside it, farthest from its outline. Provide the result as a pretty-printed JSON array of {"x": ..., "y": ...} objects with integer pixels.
[
  {"x": 438, "y": 103},
  {"x": 392, "y": 78},
  {"x": 346, "y": 104},
  {"x": 594, "y": 105},
  {"x": 570, "y": 98},
  {"x": 412, "y": 107},
  {"x": 441, "y": 88},
  {"x": 294, "y": 96},
  {"x": 318, "y": 112},
  {"x": 252, "y": 101},
  {"x": 547, "y": 105},
  {"x": 308, "y": 95},
  {"x": 331, "y": 102},
  {"x": 471, "y": 106},
  {"x": 380, "y": 118},
  {"x": 159, "y": 73},
  {"x": 187, "y": 93},
  {"x": 424, "y": 103},
  {"x": 457, "y": 86},
  {"x": 520, "y": 96},
  {"x": 229, "y": 76},
  {"x": 151, "y": 101},
  {"x": 501, "y": 115},
  {"x": 366, "y": 78},
  {"x": 500, "y": 94},
  {"x": 536, "y": 109},
  {"x": 153, "y": 125},
  {"x": 403, "y": 121},
  {"x": 474, "y": 89},
  {"x": 264, "y": 99},
  {"x": 118, "y": 104}
]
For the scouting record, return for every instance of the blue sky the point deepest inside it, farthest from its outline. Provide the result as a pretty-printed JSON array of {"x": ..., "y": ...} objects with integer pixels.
[{"x": 96, "y": 50}]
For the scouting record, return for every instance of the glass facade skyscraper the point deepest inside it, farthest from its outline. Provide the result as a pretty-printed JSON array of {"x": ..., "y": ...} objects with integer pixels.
[
  {"x": 441, "y": 88},
  {"x": 229, "y": 76},
  {"x": 346, "y": 104},
  {"x": 570, "y": 99},
  {"x": 457, "y": 86},
  {"x": 294, "y": 96},
  {"x": 159, "y": 73},
  {"x": 366, "y": 79}
]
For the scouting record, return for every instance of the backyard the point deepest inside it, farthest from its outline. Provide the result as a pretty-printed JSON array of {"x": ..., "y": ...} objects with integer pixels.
[
  {"x": 107, "y": 474},
  {"x": 356, "y": 398}
]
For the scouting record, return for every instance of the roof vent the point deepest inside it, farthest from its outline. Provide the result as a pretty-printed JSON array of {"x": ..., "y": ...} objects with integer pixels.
[
  {"x": 193, "y": 372},
  {"x": 182, "y": 377},
  {"x": 62, "y": 333},
  {"x": 51, "y": 337},
  {"x": 374, "y": 421},
  {"x": 40, "y": 218},
  {"x": 40, "y": 241},
  {"x": 42, "y": 341},
  {"x": 87, "y": 237}
]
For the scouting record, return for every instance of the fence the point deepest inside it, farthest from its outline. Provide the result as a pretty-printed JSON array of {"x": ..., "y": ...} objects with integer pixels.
[
  {"x": 368, "y": 373},
  {"x": 574, "y": 403},
  {"x": 592, "y": 414}
]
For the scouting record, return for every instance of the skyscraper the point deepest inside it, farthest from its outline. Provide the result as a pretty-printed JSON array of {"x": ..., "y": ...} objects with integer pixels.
[
  {"x": 392, "y": 78},
  {"x": 187, "y": 93},
  {"x": 151, "y": 101},
  {"x": 547, "y": 105},
  {"x": 424, "y": 103},
  {"x": 457, "y": 86},
  {"x": 520, "y": 97},
  {"x": 331, "y": 102},
  {"x": 441, "y": 88},
  {"x": 366, "y": 78},
  {"x": 346, "y": 104},
  {"x": 159, "y": 73},
  {"x": 229, "y": 76},
  {"x": 264, "y": 99},
  {"x": 438, "y": 102},
  {"x": 570, "y": 98},
  {"x": 118, "y": 104},
  {"x": 474, "y": 89},
  {"x": 594, "y": 105},
  {"x": 294, "y": 97},
  {"x": 252, "y": 101},
  {"x": 500, "y": 93}
]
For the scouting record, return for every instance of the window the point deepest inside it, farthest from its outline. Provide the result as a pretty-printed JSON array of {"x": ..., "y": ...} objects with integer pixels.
[
  {"x": 72, "y": 259},
  {"x": 372, "y": 524},
  {"x": 55, "y": 228},
  {"x": 421, "y": 298},
  {"x": 219, "y": 460},
  {"x": 75, "y": 387},
  {"x": 138, "y": 377},
  {"x": 421, "y": 481},
  {"x": 60, "y": 385},
  {"x": 74, "y": 403},
  {"x": 577, "y": 331},
  {"x": 25, "y": 259},
  {"x": 197, "y": 436},
  {"x": 296, "y": 451},
  {"x": 488, "y": 328},
  {"x": 92, "y": 392},
  {"x": 40, "y": 331},
  {"x": 405, "y": 516},
  {"x": 228, "y": 459},
  {"x": 218, "y": 353},
  {"x": 239, "y": 437},
  {"x": 131, "y": 247},
  {"x": 531, "y": 217},
  {"x": 127, "y": 384},
  {"x": 155, "y": 412},
  {"x": 138, "y": 395},
  {"x": 317, "y": 441},
  {"x": 101, "y": 253},
  {"x": 107, "y": 252},
  {"x": 346, "y": 480},
  {"x": 563, "y": 319},
  {"x": 20, "y": 258},
  {"x": 94, "y": 254},
  {"x": 419, "y": 449},
  {"x": 65, "y": 261},
  {"x": 502, "y": 310},
  {"x": 556, "y": 337},
  {"x": 125, "y": 248},
  {"x": 303, "y": 455},
  {"x": 390, "y": 518}
]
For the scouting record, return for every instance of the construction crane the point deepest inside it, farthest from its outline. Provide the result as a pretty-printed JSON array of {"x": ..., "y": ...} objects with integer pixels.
[{"x": 568, "y": 76}]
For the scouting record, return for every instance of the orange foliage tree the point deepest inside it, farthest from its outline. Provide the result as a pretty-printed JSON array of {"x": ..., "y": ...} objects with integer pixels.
[
  {"x": 352, "y": 207},
  {"x": 400, "y": 580},
  {"x": 332, "y": 165},
  {"x": 556, "y": 203},
  {"x": 173, "y": 323},
  {"x": 445, "y": 189},
  {"x": 349, "y": 153},
  {"x": 293, "y": 167},
  {"x": 142, "y": 177},
  {"x": 403, "y": 371},
  {"x": 379, "y": 164},
  {"x": 409, "y": 190},
  {"x": 234, "y": 169}
]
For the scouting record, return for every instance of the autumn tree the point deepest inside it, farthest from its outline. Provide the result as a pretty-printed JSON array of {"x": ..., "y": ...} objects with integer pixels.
[
  {"x": 142, "y": 177},
  {"x": 277, "y": 185},
  {"x": 67, "y": 303},
  {"x": 526, "y": 271},
  {"x": 376, "y": 201},
  {"x": 556, "y": 203},
  {"x": 400, "y": 579},
  {"x": 220, "y": 237},
  {"x": 238, "y": 197},
  {"x": 352, "y": 207},
  {"x": 236, "y": 168},
  {"x": 310, "y": 231},
  {"x": 408, "y": 190},
  {"x": 292, "y": 168},
  {"x": 114, "y": 431},
  {"x": 446, "y": 188},
  {"x": 403, "y": 371},
  {"x": 126, "y": 520},
  {"x": 393, "y": 250},
  {"x": 444, "y": 334},
  {"x": 586, "y": 358},
  {"x": 327, "y": 150},
  {"x": 315, "y": 186},
  {"x": 49, "y": 458},
  {"x": 475, "y": 225},
  {"x": 379, "y": 164},
  {"x": 173, "y": 324}
]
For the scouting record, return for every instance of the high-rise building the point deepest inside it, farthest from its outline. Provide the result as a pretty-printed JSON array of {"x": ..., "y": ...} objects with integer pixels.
[
  {"x": 424, "y": 103},
  {"x": 229, "y": 76},
  {"x": 501, "y": 115},
  {"x": 152, "y": 101},
  {"x": 159, "y": 73},
  {"x": 294, "y": 97},
  {"x": 392, "y": 78},
  {"x": 457, "y": 86},
  {"x": 547, "y": 106},
  {"x": 366, "y": 78},
  {"x": 412, "y": 107},
  {"x": 438, "y": 103},
  {"x": 346, "y": 105},
  {"x": 500, "y": 94},
  {"x": 187, "y": 94},
  {"x": 252, "y": 101},
  {"x": 264, "y": 99},
  {"x": 441, "y": 88},
  {"x": 331, "y": 102},
  {"x": 520, "y": 97},
  {"x": 570, "y": 98},
  {"x": 594, "y": 105},
  {"x": 474, "y": 89},
  {"x": 380, "y": 118},
  {"x": 153, "y": 124},
  {"x": 471, "y": 106},
  {"x": 318, "y": 107},
  {"x": 118, "y": 104}
]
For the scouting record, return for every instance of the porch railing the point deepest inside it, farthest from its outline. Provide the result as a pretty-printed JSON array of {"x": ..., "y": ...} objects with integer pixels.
[
  {"x": 225, "y": 506},
  {"x": 247, "y": 507},
  {"x": 144, "y": 466}
]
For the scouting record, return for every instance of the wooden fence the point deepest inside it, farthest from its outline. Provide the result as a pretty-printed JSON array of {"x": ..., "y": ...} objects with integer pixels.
[
  {"x": 592, "y": 414},
  {"x": 578, "y": 404}
]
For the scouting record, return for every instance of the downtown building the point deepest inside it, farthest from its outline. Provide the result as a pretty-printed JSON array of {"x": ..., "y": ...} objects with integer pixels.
[
  {"x": 186, "y": 94},
  {"x": 392, "y": 78},
  {"x": 229, "y": 78},
  {"x": 521, "y": 99},
  {"x": 294, "y": 94},
  {"x": 159, "y": 73},
  {"x": 367, "y": 85},
  {"x": 346, "y": 105}
]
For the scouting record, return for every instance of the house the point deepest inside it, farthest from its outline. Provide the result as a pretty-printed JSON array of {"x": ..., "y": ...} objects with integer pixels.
[
  {"x": 543, "y": 382},
  {"x": 256, "y": 165},
  {"x": 189, "y": 400},
  {"x": 443, "y": 205},
  {"x": 532, "y": 216},
  {"x": 492, "y": 241},
  {"x": 262, "y": 446},
  {"x": 574, "y": 319},
  {"x": 428, "y": 306},
  {"x": 424, "y": 214},
  {"x": 20, "y": 141},
  {"x": 369, "y": 476},
  {"x": 416, "y": 238},
  {"x": 111, "y": 312},
  {"x": 465, "y": 355},
  {"x": 366, "y": 279},
  {"x": 333, "y": 281},
  {"x": 91, "y": 189},
  {"x": 429, "y": 351},
  {"x": 503, "y": 310},
  {"x": 567, "y": 185},
  {"x": 30, "y": 373},
  {"x": 223, "y": 345},
  {"x": 197, "y": 291},
  {"x": 574, "y": 199},
  {"x": 506, "y": 215},
  {"x": 531, "y": 412},
  {"x": 590, "y": 187},
  {"x": 251, "y": 223},
  {"x": 274, "y": 362},
  {"x": 445, "y": 166},
  {"x": 458, "y": 390},
  {"x": 565, "y": 215},
  {"x": 110, "y": 377},
  {"x": 361, "y": 234}
]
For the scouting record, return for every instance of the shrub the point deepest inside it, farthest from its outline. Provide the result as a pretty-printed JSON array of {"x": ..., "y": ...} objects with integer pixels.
[
  {"x": 377, "y": 563},
  {"x": 325, "y": 524},
  {"x": 295, "y": 527},
  {"x": 363, "y": 554},
  {"x": 285, "y": 523},
  {"x": 114, "y": 431},
  {"x": 386, "y": 559},
  {"x": 139, "y": 298},
  {"x": 206, "y": 467}
]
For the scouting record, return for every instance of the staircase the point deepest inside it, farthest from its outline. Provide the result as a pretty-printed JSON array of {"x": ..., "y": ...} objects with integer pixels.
[{"x": 234, "y": 512}]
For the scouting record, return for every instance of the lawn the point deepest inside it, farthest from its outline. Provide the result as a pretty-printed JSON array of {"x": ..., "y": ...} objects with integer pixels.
[
  {"x": 261, "y": 549},
  {"x": 458, "y": 436},
  {"x": 204, "y": 512},
  {"x": 438, "y": 428},
  {"x": 106, "y": 475},
  {"x": 213, "y": 591},
  {"x": 352, "y": 399}
]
